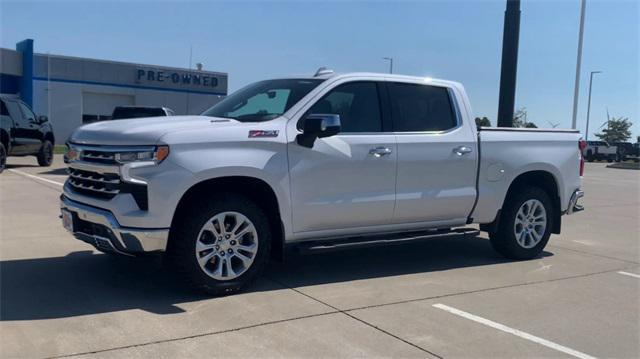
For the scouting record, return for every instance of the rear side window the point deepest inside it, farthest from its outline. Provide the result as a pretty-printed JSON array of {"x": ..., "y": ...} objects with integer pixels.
[
  {"x": 358, "y": 105},
  {"x": 418, "y": 108}
]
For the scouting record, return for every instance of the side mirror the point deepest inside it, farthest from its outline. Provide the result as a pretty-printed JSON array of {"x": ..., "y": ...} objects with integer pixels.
[
  {"x": 41, "y": 119},
  {"x": 318, "y": 126}
]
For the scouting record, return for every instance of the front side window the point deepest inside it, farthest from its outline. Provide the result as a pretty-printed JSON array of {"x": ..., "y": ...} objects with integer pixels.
[
  {"x": 357, "y": 103},
  {"x": 419, "y": 108},
  {"x": 264, "y": 100},
  {"x": 26, "y": 111}
]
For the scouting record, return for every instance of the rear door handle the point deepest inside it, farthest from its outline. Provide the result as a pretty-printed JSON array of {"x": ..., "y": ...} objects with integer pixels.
[
  {"x": 462, "y": 150},
  {"x": 379, "y": 151}
]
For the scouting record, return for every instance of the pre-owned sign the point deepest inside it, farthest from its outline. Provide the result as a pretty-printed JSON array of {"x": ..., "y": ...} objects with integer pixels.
[{"x": 176, "y": 78}]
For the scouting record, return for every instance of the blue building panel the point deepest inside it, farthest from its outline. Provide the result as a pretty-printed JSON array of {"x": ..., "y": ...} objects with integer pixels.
[{"x": 26, "y": 82}]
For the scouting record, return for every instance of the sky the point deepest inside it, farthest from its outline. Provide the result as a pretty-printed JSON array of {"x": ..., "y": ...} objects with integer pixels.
[{"x": 457, "y": 40}]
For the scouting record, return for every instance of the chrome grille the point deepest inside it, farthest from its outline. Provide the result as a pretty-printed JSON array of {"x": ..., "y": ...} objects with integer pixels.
[
  {"x": 102, "y": 185},
  {"x": 96, "y": 173},
  {"x": 97, "y": 156}
]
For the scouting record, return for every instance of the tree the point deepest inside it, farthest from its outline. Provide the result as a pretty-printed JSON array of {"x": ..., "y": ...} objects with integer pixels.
[
  {"x": 484, "y": 122},
  {"x": 520, "y": 119},
  {"x": 618, "y": 130}
]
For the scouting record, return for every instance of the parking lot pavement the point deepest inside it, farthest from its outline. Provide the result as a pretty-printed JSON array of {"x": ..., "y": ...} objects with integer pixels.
[
  {"x": 25, "y": 167},
  {"x": 60, "y": 298},
  {"x": 610, "y": 225},
  {"x": 593, "y": 314},
  {"x": 330, "y": 336}
]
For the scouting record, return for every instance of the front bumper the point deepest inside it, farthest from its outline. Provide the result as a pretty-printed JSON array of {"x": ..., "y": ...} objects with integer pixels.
[
  {"x": 573, "y": 202},
  {"x": 100, "y": 228}
]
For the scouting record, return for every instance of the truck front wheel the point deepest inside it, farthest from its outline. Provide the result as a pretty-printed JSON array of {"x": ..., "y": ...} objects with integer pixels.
[
  {"x": 525, "y": 224},
  {"x": 45, "y": 156},
  {"x": 220, "y": 244}
]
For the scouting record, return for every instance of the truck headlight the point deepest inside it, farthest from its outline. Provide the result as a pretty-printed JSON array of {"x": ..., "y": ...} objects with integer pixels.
[
  {"x": 155, "y": 155},
  {"x": 71, "y": 154}
]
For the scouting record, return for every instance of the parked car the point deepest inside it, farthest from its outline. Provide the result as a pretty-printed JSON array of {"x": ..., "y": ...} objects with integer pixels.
[
  {"x": 122, "y": 112},
  {"x": 600, "y": 151},
  {"x": 22, "y": 133},
  {"x": 321, "y": 163},
  {"x": 624, "y": 150}
]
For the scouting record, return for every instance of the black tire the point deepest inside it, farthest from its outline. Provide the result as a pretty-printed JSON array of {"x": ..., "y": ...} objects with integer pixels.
[
  {"x": 589, "y": 156},
  {"x": 183, "y": 238},
  {"x": 504, "y": 240},
  {"x": 3, "y": 157},
  {"x": 45, "y": 156}
]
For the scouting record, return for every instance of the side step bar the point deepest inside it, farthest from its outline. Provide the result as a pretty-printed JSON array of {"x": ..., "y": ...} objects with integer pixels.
[{"x": 332, "y": 245}]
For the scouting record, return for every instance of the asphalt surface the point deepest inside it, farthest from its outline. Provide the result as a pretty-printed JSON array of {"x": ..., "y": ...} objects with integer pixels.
[{"x": 439, "y": 298}]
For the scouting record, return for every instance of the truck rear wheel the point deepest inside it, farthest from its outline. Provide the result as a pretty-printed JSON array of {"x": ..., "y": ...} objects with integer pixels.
[
  {"x": 525, "y": 224},
  {"x": 45, "y": 156},
  {"x": 219, "y": 245}
]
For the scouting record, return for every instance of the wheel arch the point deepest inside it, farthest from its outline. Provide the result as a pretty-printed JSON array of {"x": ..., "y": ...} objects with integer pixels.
[
  {"x": 253, "y": 188},
  {"x": 536, "y": 178},
  {"x": 50, "y": 137}
]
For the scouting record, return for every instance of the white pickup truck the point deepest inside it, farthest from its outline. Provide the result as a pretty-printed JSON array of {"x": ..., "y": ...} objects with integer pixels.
[{"x": 320, "y": 162}]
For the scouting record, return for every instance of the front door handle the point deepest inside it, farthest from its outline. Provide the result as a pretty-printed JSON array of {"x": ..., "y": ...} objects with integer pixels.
[
  {"x": 379, "y": 151},
  {"x": 462, "y": 150}
]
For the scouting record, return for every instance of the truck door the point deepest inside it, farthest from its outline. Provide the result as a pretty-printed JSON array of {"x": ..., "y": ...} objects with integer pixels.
[
  {"x": 19, "y": 143},
  {"x": 436, "y": 155},
  {"x": 346, "y": 180},
  {"x": 30, "y": 129}
]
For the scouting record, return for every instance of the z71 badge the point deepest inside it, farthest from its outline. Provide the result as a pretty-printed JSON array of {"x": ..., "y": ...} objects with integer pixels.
[{"x": 263, "y": 133}]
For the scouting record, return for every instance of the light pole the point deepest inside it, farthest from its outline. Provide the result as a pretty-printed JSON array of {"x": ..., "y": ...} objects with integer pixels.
[
  {"x": 576, "y": 90},
  {"x": 390, "y": 59},
  {"x": 586, "y": 132},
  {"x": 509, "y": 64}
]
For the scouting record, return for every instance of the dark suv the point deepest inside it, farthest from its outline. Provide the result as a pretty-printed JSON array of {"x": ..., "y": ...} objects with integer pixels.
[{"x": 22, "y": 133}]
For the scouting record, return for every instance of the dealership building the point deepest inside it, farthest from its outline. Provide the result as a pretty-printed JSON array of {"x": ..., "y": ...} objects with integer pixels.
[{"x": 73, "y": 91}]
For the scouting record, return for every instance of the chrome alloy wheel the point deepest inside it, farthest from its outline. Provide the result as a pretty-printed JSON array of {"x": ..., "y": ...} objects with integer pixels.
[
  {"x": 227, "y": 245},
  {"x": 530, "y": 224}
]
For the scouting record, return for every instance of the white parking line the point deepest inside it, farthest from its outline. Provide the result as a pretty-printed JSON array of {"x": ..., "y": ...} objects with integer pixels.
[
  {"x": 35, "y": 177},
  {"x": 515, "y": 332},
  {"x": 630, "y": 274}
]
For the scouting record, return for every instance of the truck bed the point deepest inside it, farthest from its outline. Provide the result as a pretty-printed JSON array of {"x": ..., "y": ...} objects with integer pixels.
[{"x": 506, "y": 153}]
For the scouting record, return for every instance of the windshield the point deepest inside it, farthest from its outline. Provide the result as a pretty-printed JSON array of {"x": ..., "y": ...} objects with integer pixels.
[{"x": 263, "y": 101}]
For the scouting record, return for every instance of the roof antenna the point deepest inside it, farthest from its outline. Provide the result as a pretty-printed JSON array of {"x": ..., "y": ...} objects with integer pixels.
[{"x": 323, "y": 71}]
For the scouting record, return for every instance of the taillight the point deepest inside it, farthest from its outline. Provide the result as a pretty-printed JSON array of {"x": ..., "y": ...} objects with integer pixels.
[{"x": 582, "y": 144}]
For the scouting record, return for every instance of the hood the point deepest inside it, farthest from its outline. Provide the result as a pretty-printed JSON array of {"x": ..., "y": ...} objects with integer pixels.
[{"x": 142, "y": 131}]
